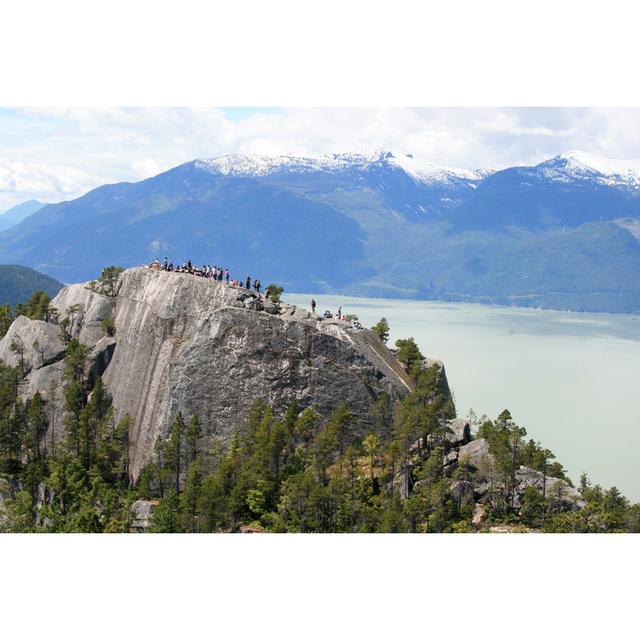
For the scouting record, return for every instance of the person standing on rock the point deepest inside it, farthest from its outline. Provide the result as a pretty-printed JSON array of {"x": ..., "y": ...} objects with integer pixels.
[
  {"x": 339, "y": 313},
  {"x": 227, "y": 275},
  {"x": 313, "y": 306},
  {"x": 248, "y": 283}
]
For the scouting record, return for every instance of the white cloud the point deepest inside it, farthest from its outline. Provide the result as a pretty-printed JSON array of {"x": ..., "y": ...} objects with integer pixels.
[{"x": 55, "y": 154}]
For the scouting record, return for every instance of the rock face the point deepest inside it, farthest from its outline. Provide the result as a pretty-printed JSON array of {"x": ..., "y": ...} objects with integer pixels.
[
  {"x": 189, "y": 344},
  {"x": 89, "y": 309}
]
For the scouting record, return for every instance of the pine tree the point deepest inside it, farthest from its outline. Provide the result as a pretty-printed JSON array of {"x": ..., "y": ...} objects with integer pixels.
[
  {"x": 192, "y": 437},
  {"x": 173, "y": 450},
  {"x": 382, "y": 329}
]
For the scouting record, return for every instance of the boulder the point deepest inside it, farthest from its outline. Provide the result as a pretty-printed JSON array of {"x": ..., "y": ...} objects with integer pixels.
[
  {"x": 457, "y": 431},
  {"x": 477, "y": 450},
  {"x": 38, "y": 343},
  {"x": 270, "y": 307},
  {"x": 142, "y": 515}
]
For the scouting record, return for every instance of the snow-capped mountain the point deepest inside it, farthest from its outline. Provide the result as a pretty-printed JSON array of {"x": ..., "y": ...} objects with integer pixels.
[
  {"x": 427, "y": 173},
  {"x": 561, "y": 233},
  {"x": 571, "y": 166},
  {"x": 579, "y": 166}
]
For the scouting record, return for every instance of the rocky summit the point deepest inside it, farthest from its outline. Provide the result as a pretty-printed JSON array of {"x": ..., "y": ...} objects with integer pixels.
[{"x": 185, "y": 343}]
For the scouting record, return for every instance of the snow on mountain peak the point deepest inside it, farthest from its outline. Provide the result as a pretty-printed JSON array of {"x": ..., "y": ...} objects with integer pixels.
[
  {"x": 578, "y": 165},
  {"x": 261, "y": 165},
  {"x": 571, "y": 166}
]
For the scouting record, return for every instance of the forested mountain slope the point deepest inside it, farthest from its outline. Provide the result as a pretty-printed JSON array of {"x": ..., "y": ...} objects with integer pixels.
[{"x": 18, "y": 283}]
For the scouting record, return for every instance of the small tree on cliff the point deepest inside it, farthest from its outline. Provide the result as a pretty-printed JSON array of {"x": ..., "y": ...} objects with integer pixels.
[
  {"x": 109, "y": 279},
  {"x": 382, "y": 329},
  {"x": 408, "y": 353},
  {"x": 273, "y": 292}
]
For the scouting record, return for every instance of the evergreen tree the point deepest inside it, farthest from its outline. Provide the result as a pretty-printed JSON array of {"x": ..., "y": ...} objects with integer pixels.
[
  {"x": 173, "y": 450},
  {"x": 409, "y": 354},
  {"x": 381, "y": 328},
  {"x": 192, "y": 437}
]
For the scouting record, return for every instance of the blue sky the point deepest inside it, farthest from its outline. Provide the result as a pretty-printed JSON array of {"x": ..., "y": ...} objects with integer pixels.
[{"x": 61, "y": 153}]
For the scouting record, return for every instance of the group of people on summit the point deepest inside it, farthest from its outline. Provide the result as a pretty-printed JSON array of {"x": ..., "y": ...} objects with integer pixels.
[
  {"x": 208, "y": 271},
  {"x": 219, "y": 274}
]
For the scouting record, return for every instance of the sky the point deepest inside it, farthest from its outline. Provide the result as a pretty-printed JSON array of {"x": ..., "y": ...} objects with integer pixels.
[{"x": 61, "y": 153}]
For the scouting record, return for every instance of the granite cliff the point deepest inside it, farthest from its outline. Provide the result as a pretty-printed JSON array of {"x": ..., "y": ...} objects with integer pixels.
[{"x": 184, "y": 343}]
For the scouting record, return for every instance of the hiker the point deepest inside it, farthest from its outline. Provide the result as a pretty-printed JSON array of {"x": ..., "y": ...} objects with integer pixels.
[
  {"x": 339, "y": 313},
  {"x": 227, "y": 275},
  {"x": 313, "y": 306},
  {"x": 166, "y": 264},
  {"x": 258, "y": 284},
  {"x": 248, "y": 283}
]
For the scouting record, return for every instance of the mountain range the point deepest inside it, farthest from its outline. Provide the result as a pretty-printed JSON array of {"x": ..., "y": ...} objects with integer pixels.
[
  {"x": 562, "y": 234},
  {"x": 17, "y": 214}
]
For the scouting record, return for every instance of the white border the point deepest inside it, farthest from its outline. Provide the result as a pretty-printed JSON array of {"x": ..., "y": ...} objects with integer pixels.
[{"x": 318, "y": 54}]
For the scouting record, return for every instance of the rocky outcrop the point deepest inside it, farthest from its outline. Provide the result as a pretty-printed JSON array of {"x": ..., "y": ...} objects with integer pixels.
[
  {"x": 561, "y": 493},
  {"x": 480, "y": 483},
  {"x": 86, "y": 308},
  {"x": 31, "y": 344},
  {"x": 142, "y": 515},
  {"x": 189, "y": 344}
]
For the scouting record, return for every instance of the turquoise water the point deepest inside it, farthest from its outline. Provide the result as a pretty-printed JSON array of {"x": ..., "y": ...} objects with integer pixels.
[{"x": 571, "y": 379}]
